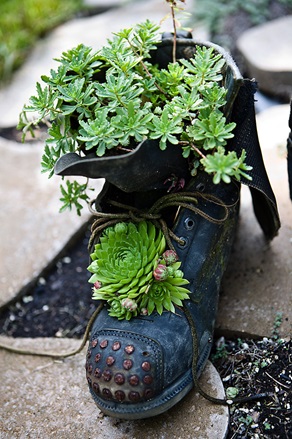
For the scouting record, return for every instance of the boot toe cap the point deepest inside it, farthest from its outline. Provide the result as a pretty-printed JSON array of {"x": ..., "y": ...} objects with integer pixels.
[{"x": 123, "y": 367}]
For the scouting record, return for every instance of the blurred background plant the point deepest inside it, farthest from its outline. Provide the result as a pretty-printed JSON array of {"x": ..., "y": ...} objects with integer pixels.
[
  {"x": 214, "y": 12},
  {"x": 227, "y": 19},
  {"x": 22, "y": 22}
]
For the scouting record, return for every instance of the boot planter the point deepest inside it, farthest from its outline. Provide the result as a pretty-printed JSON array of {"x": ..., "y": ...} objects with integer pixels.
[
  {"x": 147, "y": 163},
  {"x": 164, "y": 222},
  {"x": 141, "y": 367}
]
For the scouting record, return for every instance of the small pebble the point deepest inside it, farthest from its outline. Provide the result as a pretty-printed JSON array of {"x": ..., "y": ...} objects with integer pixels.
[{"x": 27, "y": 299}]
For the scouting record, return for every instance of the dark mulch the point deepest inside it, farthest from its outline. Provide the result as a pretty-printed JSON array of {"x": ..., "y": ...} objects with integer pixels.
[
  {"x": 262, "y": 367},
  {"x": 60, "y": 303}
]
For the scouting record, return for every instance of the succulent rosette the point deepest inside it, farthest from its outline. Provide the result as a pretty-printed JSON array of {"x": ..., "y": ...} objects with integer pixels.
[
  {"x": 164, "y": 294},
  {"x": 130, "y": 273},
  {"x": 124, "y": 259}
]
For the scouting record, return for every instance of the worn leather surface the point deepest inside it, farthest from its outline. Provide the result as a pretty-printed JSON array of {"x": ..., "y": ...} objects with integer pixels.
[
  {"x": 166, "y": 340},
  {"x": 143, "y": 169},
  {"x": 246, "y": 137}
]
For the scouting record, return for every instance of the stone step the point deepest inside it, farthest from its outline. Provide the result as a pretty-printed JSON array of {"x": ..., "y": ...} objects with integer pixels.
[
  {"x": 267, "y": 52},
  {"x": 32, "y": 232},
  {"x": 257, "y": 284},
  {"x": 43, "y": 398}
]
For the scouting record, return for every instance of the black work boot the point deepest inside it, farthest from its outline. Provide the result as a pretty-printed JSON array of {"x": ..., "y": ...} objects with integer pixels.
[{"x": 141, "y": 367}]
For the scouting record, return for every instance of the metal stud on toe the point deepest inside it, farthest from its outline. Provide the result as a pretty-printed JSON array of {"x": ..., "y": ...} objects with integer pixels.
[{"x": 123, "y": 370}]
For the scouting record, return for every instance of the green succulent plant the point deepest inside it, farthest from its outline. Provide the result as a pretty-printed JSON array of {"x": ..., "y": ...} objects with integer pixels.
[
  {"x": 126, "y": 268},
  {"x": 111, "y": 100}
]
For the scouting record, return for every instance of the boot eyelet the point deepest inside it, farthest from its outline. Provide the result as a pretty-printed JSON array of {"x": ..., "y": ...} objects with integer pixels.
[
  {"x": 200, "y": 187},
  {"x": 189, "y": 223},
  {"x": 185, "y": 242}
]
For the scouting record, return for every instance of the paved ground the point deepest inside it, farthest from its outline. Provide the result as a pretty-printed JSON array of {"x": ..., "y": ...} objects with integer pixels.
[
  {"x": 49, "y": 399},
  {"x": 267, "y": 60},
  {"x": 258, "y": 281},
  {"x": 37, "y": 400}
]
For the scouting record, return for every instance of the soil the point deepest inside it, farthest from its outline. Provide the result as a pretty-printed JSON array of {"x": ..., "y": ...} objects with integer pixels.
[
  {"x": 60, "y": 304},
  {"x": 262, "y": 368}
]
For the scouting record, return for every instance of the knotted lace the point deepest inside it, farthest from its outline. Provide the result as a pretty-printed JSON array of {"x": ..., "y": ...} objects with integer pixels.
[{"x": 188, "y": 200}]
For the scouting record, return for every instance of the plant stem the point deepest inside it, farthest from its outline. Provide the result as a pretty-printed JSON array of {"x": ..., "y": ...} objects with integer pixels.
[
  {"x": 197, "y": 150},
  {"x": 193, "y": 147},
  {"x": 173, "y": 4},
  {"x": 150, "y": 76},
  {"x": 144, "y": 66}
]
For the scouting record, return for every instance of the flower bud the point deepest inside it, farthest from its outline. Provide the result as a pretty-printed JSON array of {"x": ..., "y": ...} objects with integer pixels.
[
  {"x": 170, "y": 257},
  {"x": 178, "y": 273},
  {"x": 144, "y": 312},
  {"x": 160, "y": 273},
  {"x": 171, "y": 271},
  {"x": 129, "y": 304},
  {"x": 97, "y": 285}
]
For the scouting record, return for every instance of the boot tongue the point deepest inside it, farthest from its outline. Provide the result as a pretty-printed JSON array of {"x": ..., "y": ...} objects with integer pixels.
[{"x": 143, "y": 169}]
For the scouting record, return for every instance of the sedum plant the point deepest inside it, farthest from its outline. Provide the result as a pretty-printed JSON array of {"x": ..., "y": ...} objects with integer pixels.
[
  {"x": 134, "y": 274},
  {"x": 108, "y": 101}
]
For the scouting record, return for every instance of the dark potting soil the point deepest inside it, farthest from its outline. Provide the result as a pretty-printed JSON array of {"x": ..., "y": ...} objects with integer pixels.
[
  {"x": 60, "y": 303},
  {"x": 262, "y": 367}
]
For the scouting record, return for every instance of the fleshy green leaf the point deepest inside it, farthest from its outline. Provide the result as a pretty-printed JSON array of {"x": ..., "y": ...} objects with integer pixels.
[{"x": 123, "y": 277}]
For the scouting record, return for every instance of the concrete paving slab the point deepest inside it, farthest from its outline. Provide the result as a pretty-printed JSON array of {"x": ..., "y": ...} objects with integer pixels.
[
  {"x": 92, "y": 31},
  {"x": 258, "y": 281},
  {"x": 267, "y": 52},
  {"x": 45, "y": 398},
  {"x": 32, "y": 231}
]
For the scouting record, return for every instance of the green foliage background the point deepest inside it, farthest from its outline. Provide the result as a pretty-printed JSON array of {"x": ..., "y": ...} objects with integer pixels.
[
  {"x": 22, "y": 22},
  {"x": 212, "y": 13}
]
